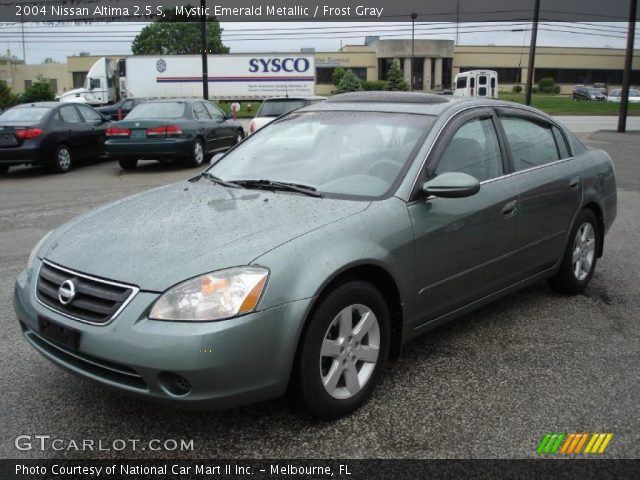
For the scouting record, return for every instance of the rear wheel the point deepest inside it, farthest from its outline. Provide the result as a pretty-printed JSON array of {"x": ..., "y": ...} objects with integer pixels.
[
  {"x": 197, "y": 154},
  {"x": 343, "y": 350},
  {"x": 580, "y": 256},
  {"x": 62, "y": 162},
  {"x": 128, "y": 163}
]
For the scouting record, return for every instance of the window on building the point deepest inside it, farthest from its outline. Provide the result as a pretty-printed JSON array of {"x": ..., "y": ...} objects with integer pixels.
[
  {"x": 324, "y": 74},
  {"x": 505, "y": 74},
  {"x": 584, "y": 76},
  {"x": 447, "y": 69},
  {"x": 78, "y": 79}
]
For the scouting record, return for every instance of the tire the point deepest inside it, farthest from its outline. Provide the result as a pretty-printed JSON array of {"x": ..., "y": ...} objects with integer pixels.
[
  {"x": 197, "y": 156},
  {"x": 580, "y": 256},
  {"x": 128, "y": 163},
  {"x": 239, "y": 136},
  {"x": 4, "y": 169},
  {"x": 62, "y": 162},
  {"x": 334, "y": 347}
]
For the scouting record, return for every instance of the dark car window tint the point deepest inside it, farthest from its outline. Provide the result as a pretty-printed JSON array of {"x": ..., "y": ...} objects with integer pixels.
[
  {"x": 462, "y": 82},
  {"x": 474, "y": 150},
  {"x": 562, "y": 144},
  {"x": 157, "y": 110},
  {"x": 532, "y": 144},
  {"x": 200, "y": 112},
  {"x": 214, "y": 111},
  {"x": 128, "y": 104},
  {"x": 24, "y": 114},
  {"x": 89, "y": 115},
  {"x": 70, "y": 115}
]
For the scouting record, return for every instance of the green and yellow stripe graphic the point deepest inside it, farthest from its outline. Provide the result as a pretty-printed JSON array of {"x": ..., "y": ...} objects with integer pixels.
[{"x": 574, "y": 443}]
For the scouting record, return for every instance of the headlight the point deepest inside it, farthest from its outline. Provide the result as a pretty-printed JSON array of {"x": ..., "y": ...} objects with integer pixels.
[
  {"x": 214, "y": 296},
  {"x": 593, "y": 97},
  {"x": 34, "y": 252}
]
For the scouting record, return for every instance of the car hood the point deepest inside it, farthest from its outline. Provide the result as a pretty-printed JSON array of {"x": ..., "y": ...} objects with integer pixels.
[{"x": 162, "y": 237}]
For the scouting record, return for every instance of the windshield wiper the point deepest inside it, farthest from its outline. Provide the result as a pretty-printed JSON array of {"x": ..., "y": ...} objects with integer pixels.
[
  {"x": 276, "y": 185},
  {"x": 213, "y": 178}
]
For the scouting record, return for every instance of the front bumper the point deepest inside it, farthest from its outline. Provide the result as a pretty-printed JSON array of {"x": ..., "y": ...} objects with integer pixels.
[
  {"x": 226, "y": 363},
  {"x": 158, "y": 149}
]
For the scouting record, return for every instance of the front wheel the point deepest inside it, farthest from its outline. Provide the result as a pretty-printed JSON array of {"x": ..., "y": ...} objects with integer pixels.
[
  {"x": 197, "y": 154},
  {"x": 62, "y": 160},
  {"x": 343, "y": 350},
  {"x": 580, "y": 256}
]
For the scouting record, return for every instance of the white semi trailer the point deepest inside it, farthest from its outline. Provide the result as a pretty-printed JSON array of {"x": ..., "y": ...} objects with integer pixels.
[{"x": 231, "y": 77}]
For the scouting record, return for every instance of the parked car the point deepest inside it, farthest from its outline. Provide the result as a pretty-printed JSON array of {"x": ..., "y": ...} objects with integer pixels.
[
  {"x": 313, "y": 250},
  {"x": 272, "y": 108},
  {"x": 186, "y": 129},
  {"x": 118, "y": 111},
  {"x": 602, "y": 87},
  {"x": 588, "y": 93},
  {"x": 51, "y": 134},
  {"x": 615, "y": 95}
]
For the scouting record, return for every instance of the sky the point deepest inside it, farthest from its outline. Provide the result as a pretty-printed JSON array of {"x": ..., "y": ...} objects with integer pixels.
[{"x": 59, "y": 41}]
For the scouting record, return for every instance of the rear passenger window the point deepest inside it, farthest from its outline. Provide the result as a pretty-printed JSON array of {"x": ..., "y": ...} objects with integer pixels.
[
  {"x": 70, "y": 115},
  {"x": 473, "y": 150},
  {"x": 200, "y": 112},
  {"x": 532, "y": 144}
]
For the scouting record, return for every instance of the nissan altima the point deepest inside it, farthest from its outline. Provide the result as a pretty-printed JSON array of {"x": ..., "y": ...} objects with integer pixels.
[{"x": 307, "y": 255}]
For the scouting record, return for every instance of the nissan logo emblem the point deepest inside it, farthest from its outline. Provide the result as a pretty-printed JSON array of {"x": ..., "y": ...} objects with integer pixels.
[{"x": 66, "y": 292}]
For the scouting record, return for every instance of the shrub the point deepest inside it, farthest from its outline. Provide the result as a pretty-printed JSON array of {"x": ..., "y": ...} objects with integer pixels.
[
  {"x": 375, "y": 85},
  {"x": 349, "y": 83},
  {"x": 40, "y": 91},
  {"x": 7, "y": 98},
  {"x": 517, "y": 89},
  {"x": 395, "y": 78},
  {"x": 534, "y": 89},
  {"x": 547, "y": 85},
  {"x": 556, "y": 89},
  {"x": 338, "y": 73}
]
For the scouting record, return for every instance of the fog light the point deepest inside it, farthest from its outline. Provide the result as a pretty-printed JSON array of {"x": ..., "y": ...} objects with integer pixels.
[{"x": 174, "y": 384}]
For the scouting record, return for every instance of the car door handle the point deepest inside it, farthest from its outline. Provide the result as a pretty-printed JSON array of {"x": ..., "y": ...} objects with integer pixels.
[
  {"x": 510, "y": 209},
  {"x": 575, "y": 183}
]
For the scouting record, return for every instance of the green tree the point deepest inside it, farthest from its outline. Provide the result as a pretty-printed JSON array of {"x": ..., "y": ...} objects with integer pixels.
[
  {"x": 177, "y": 35},
  {"x": 49, "y": 60},
  {"x": 338, "y": 73},
  {"x": 7, "y": 98},
  {"x": 84, "y": 54},
  {"x": 349, "y": 83},
  {"x": 396, "y": 79},
  {"x": 40, "y": 91}
]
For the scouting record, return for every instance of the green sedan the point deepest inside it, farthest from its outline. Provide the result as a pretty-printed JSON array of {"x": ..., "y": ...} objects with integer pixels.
[
  {"x": 309, "y": 254},
  {"x": 190, "y": 130}
]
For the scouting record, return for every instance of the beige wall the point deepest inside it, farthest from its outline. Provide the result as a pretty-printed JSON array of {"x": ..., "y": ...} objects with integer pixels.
[{"x": 344, "y": 59}]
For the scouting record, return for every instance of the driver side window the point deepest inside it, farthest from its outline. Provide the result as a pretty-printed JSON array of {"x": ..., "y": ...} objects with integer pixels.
[{"x": 473, "y": 150}]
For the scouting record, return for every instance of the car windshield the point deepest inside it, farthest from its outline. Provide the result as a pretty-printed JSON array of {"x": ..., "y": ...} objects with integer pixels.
[
  {"x": 22, "y": 114},
  {"x": 337, "y": 153},
  {"x": 158, "y": 110},
  {"x": 275, "y": 108},
  {"x": 594, "y": 91}
]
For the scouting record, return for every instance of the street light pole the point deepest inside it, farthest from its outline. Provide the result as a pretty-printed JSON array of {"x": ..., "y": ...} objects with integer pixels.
[
  {"x": 628, "y": 61},
  {"x": 204, "y": 48},
  {"x": 413, "y": 48},
  {"x": 532, "y": 52}
]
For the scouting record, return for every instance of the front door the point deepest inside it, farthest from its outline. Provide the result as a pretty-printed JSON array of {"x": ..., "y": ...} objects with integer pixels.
[{"x": 465, "y": 247}]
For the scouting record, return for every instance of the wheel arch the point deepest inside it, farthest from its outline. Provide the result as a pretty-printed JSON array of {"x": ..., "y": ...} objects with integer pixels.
[{"x": 597, "y": 211}]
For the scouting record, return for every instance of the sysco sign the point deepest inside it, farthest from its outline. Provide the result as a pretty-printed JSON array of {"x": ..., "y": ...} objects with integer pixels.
[{"x": 275, "y": 65}]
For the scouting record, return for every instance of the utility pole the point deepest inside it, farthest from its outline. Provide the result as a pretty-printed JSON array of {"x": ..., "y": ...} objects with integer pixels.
[
  {"x": 204, "y": 48},
  {"x": 413, "y": 48},
  {"x": 532, "y": 52},
  {"x": 628, "y": 62},
  {"x": 24, "y": 48}
]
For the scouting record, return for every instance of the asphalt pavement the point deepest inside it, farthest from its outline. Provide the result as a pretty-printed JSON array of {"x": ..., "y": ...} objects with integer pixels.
[{"x": 489, "y": 385}]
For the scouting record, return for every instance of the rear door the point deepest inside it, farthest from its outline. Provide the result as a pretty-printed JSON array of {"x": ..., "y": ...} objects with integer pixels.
[
  {"x": 465, "y": 247},
  {"x": 206, "y": 126},
  {"x": 225, "y": 128},
  {"x": 549, "y": 184},
  {"x": 76, "y": 133},
  {"x": 96, "y": 128}
]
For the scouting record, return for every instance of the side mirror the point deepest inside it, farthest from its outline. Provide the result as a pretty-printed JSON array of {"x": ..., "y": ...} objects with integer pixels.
[
  {"x": 215, "y": 158},
  {"x": 452, "y": 185}
]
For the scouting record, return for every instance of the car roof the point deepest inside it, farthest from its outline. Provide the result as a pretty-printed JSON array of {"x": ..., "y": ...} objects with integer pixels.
[
  {"x": 409, "y": 102},
  {"x": 42, "y": 104}
]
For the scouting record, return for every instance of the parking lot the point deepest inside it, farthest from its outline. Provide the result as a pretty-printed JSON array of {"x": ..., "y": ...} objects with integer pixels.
[{"x": 489, "y": 385}]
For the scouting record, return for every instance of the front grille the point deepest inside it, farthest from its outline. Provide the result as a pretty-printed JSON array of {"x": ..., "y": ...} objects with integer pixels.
[
  {"x": 109, "y": 371},
  {"x": 96, "y": 301}
]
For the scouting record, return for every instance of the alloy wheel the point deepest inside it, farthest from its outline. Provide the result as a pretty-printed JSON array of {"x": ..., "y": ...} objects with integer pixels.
[
  {"x": 198, "y": 153},
  {"x": 350, "y": 351},
  {"x": 584, "y": 249},
  {"x": 64, "y": 159}
]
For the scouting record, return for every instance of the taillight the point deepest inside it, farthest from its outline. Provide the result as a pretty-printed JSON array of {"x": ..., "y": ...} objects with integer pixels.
[
  {"x": 118, "y": 132},
  {"x": 165, "y": 131},
  {"x": 25, "y": 133},
  {"x": 252, "y": 127}
]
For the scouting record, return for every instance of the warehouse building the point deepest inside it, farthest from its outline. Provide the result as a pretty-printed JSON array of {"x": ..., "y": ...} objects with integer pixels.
[{"x": 435, "y": 64}]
